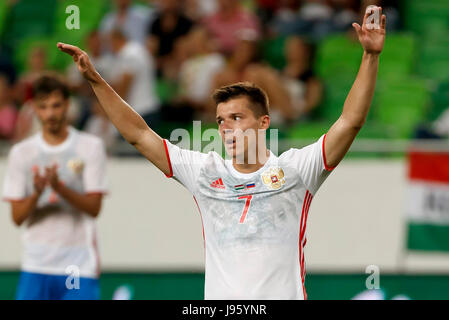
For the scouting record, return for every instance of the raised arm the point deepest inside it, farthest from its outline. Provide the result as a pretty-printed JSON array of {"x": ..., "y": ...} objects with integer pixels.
[
  {"x": 357, "y": 104},
  {"x": 128, "y": 122}
]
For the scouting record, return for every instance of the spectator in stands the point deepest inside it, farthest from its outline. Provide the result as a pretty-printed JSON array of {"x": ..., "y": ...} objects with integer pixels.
[
  {"x": 27, "y": 122},
  {"x": 8, "y": 112},
  {"x": 266, "y": 10},
  {"x": 316, "y": 10},
  {"x": 304, "y": 17},
  {"x": 228, "y": 21},
  {"x": 346, "y": 12},
  {"x": 286, "y": 20},
  {"x": 169, "y": 26},
  {"x": 132, "y": 19},
  {"x": 99, "y": 125},
  {"x": 133, "y": 76},
  {"x": 244, "y": 65},
  {"x": 440, "y": 127},
  {"x": 195, "y": 10},
  {"x": 6, "y": 66},
  {"x": 198, "y": 71},
  {"x": 102, "y": 61},
  {"x": 304, "y": 87},
  {"x": 36, "y": 64}
]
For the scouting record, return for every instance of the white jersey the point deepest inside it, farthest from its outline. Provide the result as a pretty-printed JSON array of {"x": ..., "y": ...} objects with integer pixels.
[
  {"x": 57, "y": 235},
  {"x": 253, "y": 224},
  {"x": 134, "y": 59}
]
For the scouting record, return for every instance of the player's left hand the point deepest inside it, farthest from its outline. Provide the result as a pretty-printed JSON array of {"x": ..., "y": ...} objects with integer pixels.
[
  {"x": 372, "y": 33},
  {"x": 51, "y": 174}
]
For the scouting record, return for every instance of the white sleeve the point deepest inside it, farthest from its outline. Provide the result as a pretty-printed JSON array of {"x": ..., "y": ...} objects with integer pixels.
[
  {"x": 14, "y": 185},
  {"x": 185, "y": 165},
  {"x": 129, "y": 63},
  {"x": 94, "y": 173},
  {"x": 310, "y": 163}
]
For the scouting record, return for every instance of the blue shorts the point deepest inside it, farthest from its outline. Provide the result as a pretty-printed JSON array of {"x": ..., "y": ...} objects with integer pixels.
[{"x": 37, "y": 286}]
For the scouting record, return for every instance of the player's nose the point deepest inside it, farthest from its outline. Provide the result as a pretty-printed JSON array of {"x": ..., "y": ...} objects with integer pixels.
[{"x": 227, "y": 132}]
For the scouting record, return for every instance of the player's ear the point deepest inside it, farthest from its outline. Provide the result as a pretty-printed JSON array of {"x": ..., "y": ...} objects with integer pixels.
[{"x": 264, "y": 122}]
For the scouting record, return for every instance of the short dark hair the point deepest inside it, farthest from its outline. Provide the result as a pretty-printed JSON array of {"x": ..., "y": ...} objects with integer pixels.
[
  {"x": 257, "y": 96},
  {"x": 46, "y": 84}
]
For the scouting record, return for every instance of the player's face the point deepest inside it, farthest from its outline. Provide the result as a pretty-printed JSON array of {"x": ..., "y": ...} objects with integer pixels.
[
  {"x": 239, "y": 127},
  {"x": 52, "y": 111}
]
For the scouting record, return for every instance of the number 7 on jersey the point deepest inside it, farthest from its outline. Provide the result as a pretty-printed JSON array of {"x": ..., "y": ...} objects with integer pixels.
[{"x": 245, "y": 210}]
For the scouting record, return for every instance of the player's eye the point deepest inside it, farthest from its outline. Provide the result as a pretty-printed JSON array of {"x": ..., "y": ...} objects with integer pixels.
[
  {"x": 220, "y": 121},
  {"x": 237, "y": 118}
]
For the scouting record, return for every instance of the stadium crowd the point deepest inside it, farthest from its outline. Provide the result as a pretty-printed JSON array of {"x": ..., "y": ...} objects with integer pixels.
[{"x": 165, "y": 57}]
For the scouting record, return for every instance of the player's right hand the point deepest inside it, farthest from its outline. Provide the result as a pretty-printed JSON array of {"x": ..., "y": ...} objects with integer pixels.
[
  {"x": 82, "y": 61},
  {"x": 39, "y": 182}
]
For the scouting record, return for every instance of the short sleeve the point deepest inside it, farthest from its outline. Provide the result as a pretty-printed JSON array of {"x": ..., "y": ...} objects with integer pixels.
[
  {"x": 310, "y": 163},
  {"x": 94, "y": 173},
  {"x": 185, "y": 165},
  {"x": 129, "y": 63},
  {"x": 14, "y": 185}
]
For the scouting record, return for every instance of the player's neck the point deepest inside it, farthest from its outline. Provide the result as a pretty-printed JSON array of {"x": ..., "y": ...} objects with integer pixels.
[
  {"x": 249, "y": 167},
  {"x": 55, "y": 138}
]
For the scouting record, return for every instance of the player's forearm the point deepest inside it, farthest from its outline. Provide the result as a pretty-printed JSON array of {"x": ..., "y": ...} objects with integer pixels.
[
  {"x": 358, "y": 101},
  {"x": 83, "y": 202},
  {"x": 22, "y": 209},
  {"x": 128, "y": 122}
]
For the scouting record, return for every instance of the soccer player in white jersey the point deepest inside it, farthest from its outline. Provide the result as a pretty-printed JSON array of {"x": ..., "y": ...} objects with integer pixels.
[
  {"x": 254, "y": 214},
  {"x": 55, "y": 182}
]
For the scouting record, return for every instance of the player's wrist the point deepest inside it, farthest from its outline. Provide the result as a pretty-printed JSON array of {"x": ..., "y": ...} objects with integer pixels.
[
  {"x": 94, "y": 77},
  {"x": 36, "y": 194},
  {"x": 371, "y": 54},
  {"x": 57, "y": 186}
]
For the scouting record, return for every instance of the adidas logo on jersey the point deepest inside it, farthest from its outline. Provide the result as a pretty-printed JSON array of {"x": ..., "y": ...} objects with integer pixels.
[{"x": 218, "y": 184}]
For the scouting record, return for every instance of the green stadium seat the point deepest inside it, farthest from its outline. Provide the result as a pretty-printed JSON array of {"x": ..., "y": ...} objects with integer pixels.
[
  {"x": 401, "y": 105},
  {"x": 3, "y": 13},
  {"x": 27, "y": 19},
  {"x": 377, "y": 130},
  {"x": 55, "y": 59},
  {"x": 25, "y": 46},
  {"x": 166, "y": 90},
  {"x": 440, "y": 101},
  {"x": 420, "y": 16},
  {"x": 91, "y": 13},
  {"x": 398, "y": 57},
  {"x": 336, "y": 89},
  {"x": 434, "y": 59},
  {"x": 273, "y": 52},
  {"x": 338, "y": 55},
  {"x": 309, "y": 130}
]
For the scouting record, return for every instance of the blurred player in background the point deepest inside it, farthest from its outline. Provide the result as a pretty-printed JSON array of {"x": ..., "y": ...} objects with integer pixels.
[
  {"x": 254, "y": 213},
  {"x": 55, "y": 181}
]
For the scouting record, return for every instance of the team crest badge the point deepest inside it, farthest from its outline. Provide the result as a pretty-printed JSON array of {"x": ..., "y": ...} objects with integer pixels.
[
  {"x": 273, "y": 178},
  {"x": 75, "y": 165}
]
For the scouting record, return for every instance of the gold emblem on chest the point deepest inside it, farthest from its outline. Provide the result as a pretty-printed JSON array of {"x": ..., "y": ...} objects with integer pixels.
[
  {"x": 273, "y": 178},
  {"x": 75, "y": 165}
]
